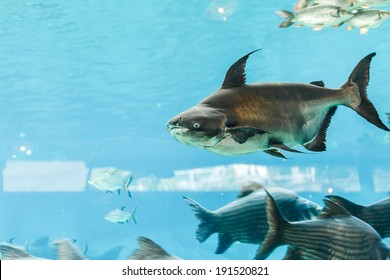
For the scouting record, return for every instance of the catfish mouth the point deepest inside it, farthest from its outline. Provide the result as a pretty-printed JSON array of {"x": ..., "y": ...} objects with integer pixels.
[{"x": 191, "y": 137}]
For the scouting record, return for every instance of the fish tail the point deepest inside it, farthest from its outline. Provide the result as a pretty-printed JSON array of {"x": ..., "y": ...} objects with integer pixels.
[
  {"x": 276, "y": 224},
  {"x": 288, "y": 16},
  {"x": 207, "y": 218},
  {"x": 133, "y": 216},
  {"x": 360, "y": 77}
]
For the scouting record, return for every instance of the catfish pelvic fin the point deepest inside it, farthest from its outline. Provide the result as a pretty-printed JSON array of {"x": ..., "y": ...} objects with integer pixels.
[
  {"x": 284, "y": 147},
  {"x": 274, "y": 152},
  {"x": 235, "y": 76}
]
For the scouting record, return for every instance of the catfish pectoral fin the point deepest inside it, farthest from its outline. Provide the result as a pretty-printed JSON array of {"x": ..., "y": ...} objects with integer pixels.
[
  {"x": 275, "y": 153},
  {"x": 241, "y": 134}
]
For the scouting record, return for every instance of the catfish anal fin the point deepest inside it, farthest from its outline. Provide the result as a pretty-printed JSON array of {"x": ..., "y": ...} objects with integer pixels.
[{"x": 318, "y": 143}]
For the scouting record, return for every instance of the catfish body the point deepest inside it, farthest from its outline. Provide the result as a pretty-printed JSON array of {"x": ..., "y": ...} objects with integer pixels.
[{"x": 240, "y": 119}]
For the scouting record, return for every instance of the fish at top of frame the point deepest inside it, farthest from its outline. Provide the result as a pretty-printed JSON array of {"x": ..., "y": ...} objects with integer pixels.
[{"x": 242, "y": 118}]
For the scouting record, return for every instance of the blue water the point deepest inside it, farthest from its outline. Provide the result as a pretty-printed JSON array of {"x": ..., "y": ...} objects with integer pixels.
[{"x": 95, "y": 82}]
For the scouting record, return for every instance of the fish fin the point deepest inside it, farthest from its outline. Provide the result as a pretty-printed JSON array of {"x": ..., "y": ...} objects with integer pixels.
[
  {"x": 284, "y": 147},
  {"x": 242, "y": 134},
  {"x": 207, "y": 218},
  {"x": 332, "y": 209},
  {"x": 288, "y": 16},
  {"x": 126, "y": 187},
  {"x": 318, "y": 83},
  {"x": 11, "y": 240},
  {"x": 353, "y": 208},
  {"x": 248, "y": 188},
  {"x": 317, "y": 28},
  {"x": 224, "y": 242},
  {"x": 9, "y": 252},
  {"x": 360, "y": 76},
  {"x": 338, "y": 25},
  {"x": 133, "y": 215},
  {"x": 119, "y": 191},
  {"x": 363, "y": 30},
  {"x": 292, "y": 254},
  {"x": 123, "y": 208},
  {"x": 148, "y": 250},
  {"x": 274, "y": 152},
  {"x": 276, "y": 224},
  {"x": 235, "y": 76},
  {"x": 66, "y": 250},
  {"x": 318, "y": 143}
]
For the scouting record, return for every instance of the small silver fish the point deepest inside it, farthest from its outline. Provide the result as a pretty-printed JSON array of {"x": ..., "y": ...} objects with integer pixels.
[
  {"x": 120, "y": 216},
  {"x": 111, "y": 181},
  {"x": 244, "y": 219},
  {"x": 317, "y": 17},
  {"x": 334, "y": 235},
  {"x": 366, "y": 19},
  {"x": 345, "y": 4},
  {"x": 66, "y": 250},
  {"x": 376, "y": 214},
  {"x": 149, "y": 250}
]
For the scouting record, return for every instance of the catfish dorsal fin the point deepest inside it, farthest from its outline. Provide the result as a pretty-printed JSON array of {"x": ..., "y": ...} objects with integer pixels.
[
  {"x": 332, "y": 209},
  {"x": 235, "y": 76},
  {"x": 248, "y": 188}
]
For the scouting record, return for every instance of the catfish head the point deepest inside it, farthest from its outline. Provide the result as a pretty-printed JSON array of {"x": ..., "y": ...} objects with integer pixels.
[{"x": 199, "y": 126}]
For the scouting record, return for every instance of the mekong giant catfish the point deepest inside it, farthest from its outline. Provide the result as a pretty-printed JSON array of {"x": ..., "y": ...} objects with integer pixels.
[{"x": 242, "y": 118}]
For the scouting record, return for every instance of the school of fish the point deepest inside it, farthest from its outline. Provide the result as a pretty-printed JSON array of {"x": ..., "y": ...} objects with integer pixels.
[{"x": 318, "y": 14}]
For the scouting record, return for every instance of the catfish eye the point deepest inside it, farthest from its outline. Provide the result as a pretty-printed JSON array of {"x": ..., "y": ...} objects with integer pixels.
[{"x": 196, "y": 125}]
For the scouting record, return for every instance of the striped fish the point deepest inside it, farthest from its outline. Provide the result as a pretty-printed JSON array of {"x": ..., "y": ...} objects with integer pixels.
[
  {"x": 376, "y": 214},
  {"x": 149, "y": 250},
  {"x": 335, "y": 234},
  {"x": 67, "y": 250},
  {"x": 244, "y": 220}
]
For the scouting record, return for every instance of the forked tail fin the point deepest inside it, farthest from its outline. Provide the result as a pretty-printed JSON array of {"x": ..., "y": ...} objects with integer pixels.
[{"x": 361, "y": 76}]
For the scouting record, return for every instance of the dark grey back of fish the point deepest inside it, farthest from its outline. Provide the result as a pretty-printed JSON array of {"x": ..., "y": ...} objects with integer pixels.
[
  {"x": 376, "y": 214},
  {"x": 245, "y": 219}
]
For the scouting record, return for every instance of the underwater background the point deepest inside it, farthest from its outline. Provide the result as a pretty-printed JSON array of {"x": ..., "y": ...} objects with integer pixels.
[{"x": 91, "y": 84}]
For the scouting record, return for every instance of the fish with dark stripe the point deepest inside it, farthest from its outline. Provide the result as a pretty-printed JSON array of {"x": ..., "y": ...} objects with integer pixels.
[
  {"x": 335, "y": 234},
  {"x": 244, "y": 220},
  {"x": 376, "y": 214},
  {"x": 242, "y": 118}
]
